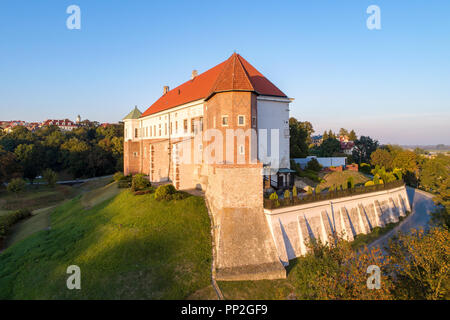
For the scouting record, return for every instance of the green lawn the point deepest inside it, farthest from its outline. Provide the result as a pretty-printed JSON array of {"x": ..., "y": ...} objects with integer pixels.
[{"x": 128, "y": 247}]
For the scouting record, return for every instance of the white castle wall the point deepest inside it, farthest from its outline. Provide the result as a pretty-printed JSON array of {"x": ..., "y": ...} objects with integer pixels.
[{"x": 292, "y": 226}]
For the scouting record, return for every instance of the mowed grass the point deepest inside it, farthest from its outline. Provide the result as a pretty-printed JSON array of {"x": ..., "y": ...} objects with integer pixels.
[
  {"x": 128, "y": 247},
  {"x": 338, "y": 178},
  {"x": 99, "y": 195}
]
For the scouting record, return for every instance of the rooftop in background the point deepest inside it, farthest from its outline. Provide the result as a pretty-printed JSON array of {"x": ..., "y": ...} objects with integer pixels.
[{"x": 234, "y": 74}]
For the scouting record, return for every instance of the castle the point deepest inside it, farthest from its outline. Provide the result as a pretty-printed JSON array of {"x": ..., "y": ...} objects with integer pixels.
[{"x": 224, "y": 131}]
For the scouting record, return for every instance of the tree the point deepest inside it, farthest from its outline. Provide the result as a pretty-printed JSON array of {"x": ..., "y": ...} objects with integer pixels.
[
  {"x": 50, "y": 176},
  {"x": 331, "y": 134},
  {"x": 407, "y": 161},
  {"x": 329, "y": 147},
  {"x": 420, "y": 262},
  {"x": 30, "y": 158},
  {"x": 313, "y": 165},
  {"x": 364, "y": 146},
  {"x": 325, "y": 136},
  {"x": 382, "y": 158},
  {"x": 343, "y": 132},
  {"x": 308, "y": 128},
  {"x": 16, "y": 185},
  {"x": 298, "y": 139},
  {"x": 336, "y": 271},
  {"x": 9, "y": 166},
  {"x": 352, "y": 135}
]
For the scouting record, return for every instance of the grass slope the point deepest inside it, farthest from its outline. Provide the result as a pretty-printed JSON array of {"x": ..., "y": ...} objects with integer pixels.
[
  {"x": 129, "y": 247},
  {"x": 339, "y": 178},
  {"x": 35, "y": 197}
]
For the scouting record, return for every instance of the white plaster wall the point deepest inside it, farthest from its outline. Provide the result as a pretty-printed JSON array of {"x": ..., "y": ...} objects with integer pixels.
[
  {"x": 173, "y": 115},
  {"x": 273, "y": 113},
  {"x": 292, "y": 227}
]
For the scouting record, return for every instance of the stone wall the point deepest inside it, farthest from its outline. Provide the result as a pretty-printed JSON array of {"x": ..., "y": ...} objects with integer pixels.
[
  {"x": 244, "y": 247},
  {"x": 292, "y": 227}
]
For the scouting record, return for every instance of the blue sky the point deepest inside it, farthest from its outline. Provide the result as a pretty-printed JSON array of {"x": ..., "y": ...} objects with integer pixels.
[{"x": 392, "y": 84}]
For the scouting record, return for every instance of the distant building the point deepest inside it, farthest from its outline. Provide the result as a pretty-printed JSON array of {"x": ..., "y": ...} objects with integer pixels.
[
  {"x": 343, "y": 138},
  {"x": 347, "y": 147},
  {"x": 65, "y": 125},
  {"x": 317, "y": 140}
]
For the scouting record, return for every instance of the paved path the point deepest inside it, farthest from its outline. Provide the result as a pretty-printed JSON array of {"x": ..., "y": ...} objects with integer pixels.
[{"x": 422, "y": 205}]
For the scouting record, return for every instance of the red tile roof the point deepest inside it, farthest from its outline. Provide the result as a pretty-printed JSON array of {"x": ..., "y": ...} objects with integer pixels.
[{"x": 234, "y": 74}]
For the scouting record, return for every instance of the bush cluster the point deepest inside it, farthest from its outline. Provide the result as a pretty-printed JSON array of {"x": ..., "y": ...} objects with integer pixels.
[
  {"x": 165, "y": 192},
  {"x": 50, "y": 176},
  {"x": 7, "y": 220},
  {"x": 16, "y": 185}
]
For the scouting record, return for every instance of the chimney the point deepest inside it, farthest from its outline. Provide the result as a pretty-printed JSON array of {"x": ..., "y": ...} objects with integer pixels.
[
  {"x": 194, "y": 74},
  {"x": 166, "y": 89}
]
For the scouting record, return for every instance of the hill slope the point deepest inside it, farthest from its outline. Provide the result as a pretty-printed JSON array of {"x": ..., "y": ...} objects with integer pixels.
[{"x": 129, "y": 247}]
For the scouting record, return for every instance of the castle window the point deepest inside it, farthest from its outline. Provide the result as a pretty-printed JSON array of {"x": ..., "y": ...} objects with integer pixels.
[
  {"x": 176, "y": 125},
  {"x": 253, "y": 121},
  {"x": 165, "y": 128},
  {"x": 241, "y": 149},
  {"x": 201, "y": 124},
  {"x": 136, "y": 133},
  {"x": 192, "y": 126},
  {"x": 154, "y": 130},
  {"x": 185, "y": 123},
  {"x": 225, "y": 121},
  {"x": 241, "y": 120},
  {"x": 159, "y": 129}
]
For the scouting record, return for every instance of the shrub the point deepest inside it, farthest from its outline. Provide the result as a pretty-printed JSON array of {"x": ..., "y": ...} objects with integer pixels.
[
  {"x": 350, "y": 183},
  {"x": 318, "y": 190},
  {"x": 7, "y": 220},
  {"x": 165, "y": 192},
  {"x": 16, "y": 185},
  {"x": 139, "y": 182},
  {"x": 369, "y": 184},
  {"x": 287, "y": 195},
  {"x": 364, "y": 168},
  {"x": 294, "y": 192},
  {"x": 118, "y": 176},
  {"x": 313, "y": 165},
  {"x": 274, "y": 198},
  {"x": 50, "y": 176},
  {"x": 124, "y": 184}
]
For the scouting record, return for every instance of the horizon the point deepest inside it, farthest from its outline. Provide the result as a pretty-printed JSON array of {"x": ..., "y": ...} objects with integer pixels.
[{"x": 389, "y": 84}]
